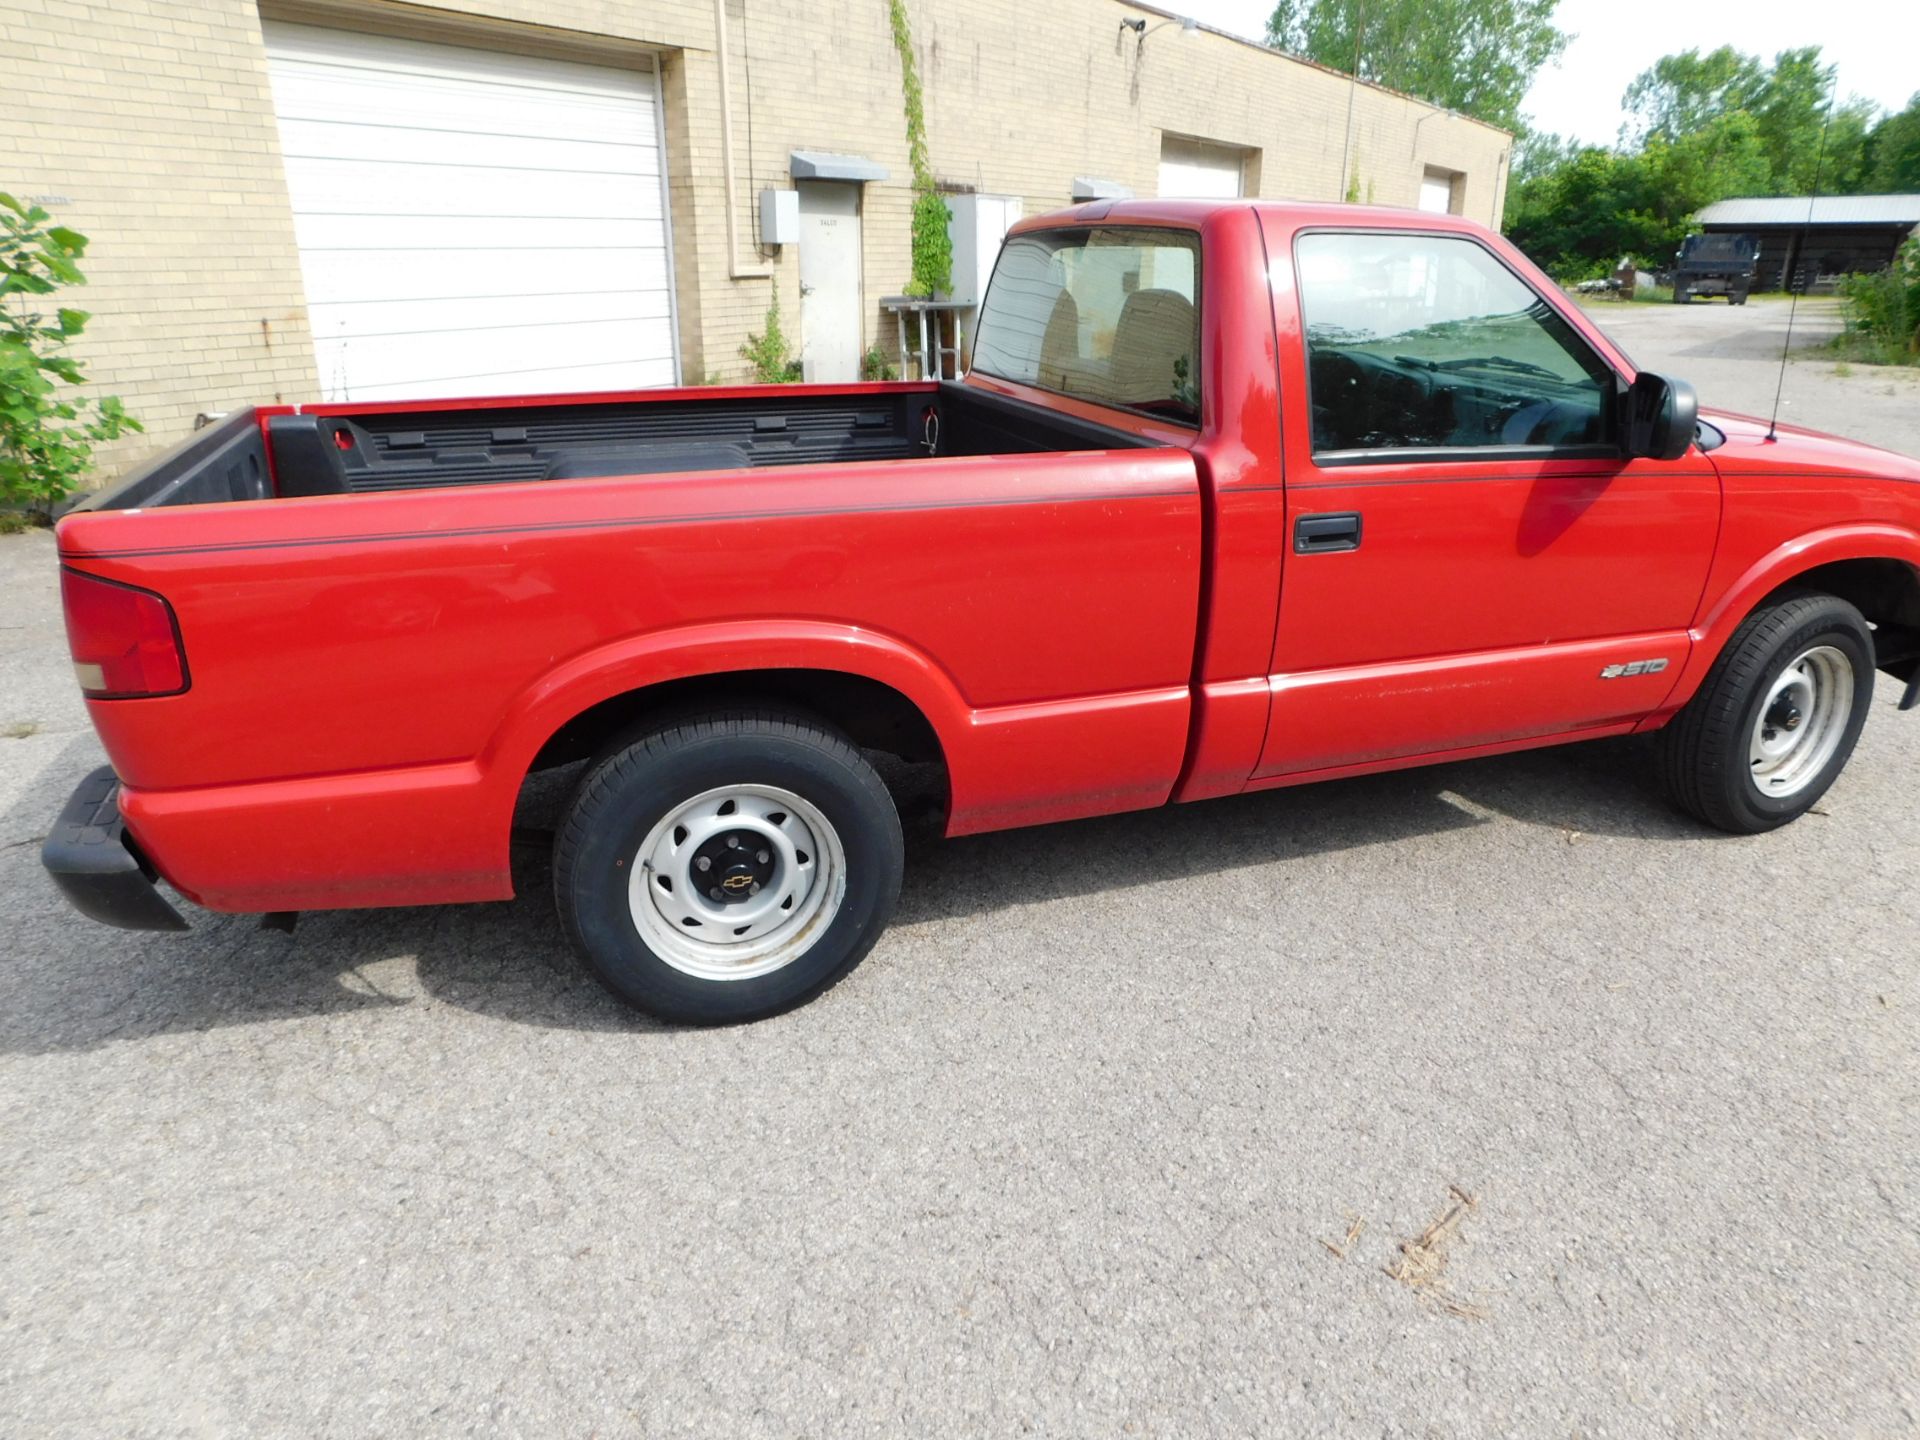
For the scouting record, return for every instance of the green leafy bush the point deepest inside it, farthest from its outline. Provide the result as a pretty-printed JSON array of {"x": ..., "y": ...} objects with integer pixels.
[
  {"x": 1883, "y": 310},
  {"x": 874, "y": 365},
  {"x": 47, "y": 435},
  {"x": 770, "y": 353}
]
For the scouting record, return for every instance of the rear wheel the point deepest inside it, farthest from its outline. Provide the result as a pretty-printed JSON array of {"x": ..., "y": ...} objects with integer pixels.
[
  {"x": 1681, "y": 295},
  {"x": 1776, "y": 719},
  {"x": 729, "y": 866}
]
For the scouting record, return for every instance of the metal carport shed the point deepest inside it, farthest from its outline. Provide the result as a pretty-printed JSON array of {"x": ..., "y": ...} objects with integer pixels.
[{"x": 1808, "y": 239}]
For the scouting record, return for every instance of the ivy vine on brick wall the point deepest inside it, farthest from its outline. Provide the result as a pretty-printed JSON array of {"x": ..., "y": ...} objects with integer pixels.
[{"x": 932, "y": 244}]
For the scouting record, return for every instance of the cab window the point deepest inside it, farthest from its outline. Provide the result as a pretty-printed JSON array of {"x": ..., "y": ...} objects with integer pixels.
[
  {"x": 1110, "y": 314},
  {"x": 1427, "y": 342}
]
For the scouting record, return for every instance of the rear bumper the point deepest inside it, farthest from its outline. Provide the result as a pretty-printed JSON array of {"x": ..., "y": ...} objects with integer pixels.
[{"x": 96, "y": 867}]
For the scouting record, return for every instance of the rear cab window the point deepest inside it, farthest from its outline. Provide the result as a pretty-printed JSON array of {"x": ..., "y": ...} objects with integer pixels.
[
  {"x": 1108, "y": 314},
  {"x": 1427, "y": 344}
]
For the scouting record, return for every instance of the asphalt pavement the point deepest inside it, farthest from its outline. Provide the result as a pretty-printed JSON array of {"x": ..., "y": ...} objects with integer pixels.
[
  {"x": 1491, "y": 1099},
  {"x": 1731, "y": 355}
]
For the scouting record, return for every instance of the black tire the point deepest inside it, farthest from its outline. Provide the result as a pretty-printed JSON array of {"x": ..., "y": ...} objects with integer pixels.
[
  {"x": 639, "y": 786},
  {"x": 1704, "y": 750},
  {"x": 1681, "y": 295}
]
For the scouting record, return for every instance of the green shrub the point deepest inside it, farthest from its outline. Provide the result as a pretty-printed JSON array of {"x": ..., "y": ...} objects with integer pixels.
[
  {"x": 874, "y": 365},
  {"x": 770, "y": 353},
  {"x": 47, "y": 434},
  {"x": 1883, "y": 310}
]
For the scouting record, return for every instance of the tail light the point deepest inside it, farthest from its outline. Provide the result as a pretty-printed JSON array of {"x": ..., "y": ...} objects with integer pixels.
[{"x": 123, "y": 639}]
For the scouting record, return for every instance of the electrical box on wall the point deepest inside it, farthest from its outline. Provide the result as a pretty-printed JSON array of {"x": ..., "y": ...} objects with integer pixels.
[
  {"x": 779, "y": 217},
  {"x": 979, "y": 223}
]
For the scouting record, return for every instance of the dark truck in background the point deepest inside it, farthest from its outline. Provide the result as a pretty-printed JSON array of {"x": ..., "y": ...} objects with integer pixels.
[{"x": 1715, "y": 265}]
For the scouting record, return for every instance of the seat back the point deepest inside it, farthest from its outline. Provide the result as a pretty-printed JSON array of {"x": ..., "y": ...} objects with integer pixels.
[{"x": 1154, "y": 333}]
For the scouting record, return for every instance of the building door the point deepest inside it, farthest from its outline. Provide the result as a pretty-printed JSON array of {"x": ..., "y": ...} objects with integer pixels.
[
  {"x": 830, "y": 308},
  {"x": 474, "y": 222}
]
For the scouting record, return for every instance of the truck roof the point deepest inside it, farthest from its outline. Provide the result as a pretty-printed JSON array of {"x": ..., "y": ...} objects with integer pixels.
[{"x": 1292, "y": 212}]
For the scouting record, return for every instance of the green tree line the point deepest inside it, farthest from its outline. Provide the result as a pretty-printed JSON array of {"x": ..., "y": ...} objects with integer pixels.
[
  {"x": 1474, "y": 56},
  {"x": 1702, "y": 128}
]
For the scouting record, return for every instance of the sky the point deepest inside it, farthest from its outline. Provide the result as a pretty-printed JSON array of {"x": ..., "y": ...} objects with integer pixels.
[{"x": 1872, "y": 41}]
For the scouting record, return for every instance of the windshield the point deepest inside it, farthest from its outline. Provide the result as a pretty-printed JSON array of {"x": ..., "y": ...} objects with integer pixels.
[
  {"x": 1108, "y": 314},
  {"x": 1716, "y": 247}
]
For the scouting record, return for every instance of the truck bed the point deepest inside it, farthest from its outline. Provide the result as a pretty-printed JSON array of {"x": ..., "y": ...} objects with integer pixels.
[
  {"x": 411, "y": 603},
  {"x": 260, "y": 454}
]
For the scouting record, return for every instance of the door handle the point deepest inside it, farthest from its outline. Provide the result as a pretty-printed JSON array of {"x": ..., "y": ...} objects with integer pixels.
[{"x": 1324, "y": 534}]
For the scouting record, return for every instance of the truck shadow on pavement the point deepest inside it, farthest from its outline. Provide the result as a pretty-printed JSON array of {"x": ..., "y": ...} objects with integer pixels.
[{"x": 72, "y": 986}]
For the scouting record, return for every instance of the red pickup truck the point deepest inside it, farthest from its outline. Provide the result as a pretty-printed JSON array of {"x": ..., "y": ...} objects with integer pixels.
[{"x": 1236, "y": 495}]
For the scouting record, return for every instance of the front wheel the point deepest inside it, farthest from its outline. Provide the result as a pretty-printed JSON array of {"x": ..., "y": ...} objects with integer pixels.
[
  {"x": 728, "y": 867},
  {"x": 1773, "y": 724}
]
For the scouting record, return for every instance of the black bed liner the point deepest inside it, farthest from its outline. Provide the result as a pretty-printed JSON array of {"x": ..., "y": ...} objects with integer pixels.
[{"x": 412, "y": 449}]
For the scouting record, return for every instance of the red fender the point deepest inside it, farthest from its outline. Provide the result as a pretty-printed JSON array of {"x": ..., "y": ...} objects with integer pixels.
[
  {"x": 636, "y": 662},
  {"x": 1008, "y": 765},
  {"x": 1720, "y": 617}
]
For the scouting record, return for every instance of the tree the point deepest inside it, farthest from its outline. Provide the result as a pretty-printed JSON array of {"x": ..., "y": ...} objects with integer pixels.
[
  {"x": 1679, "y": 94},
  {"x": 1892, "y": 153},
  {"x": 1679, "y": 177},
  {"x": 1577, "y": 219},
  {"x": 1474, "y": 56},
  {"x": 1843, "y": 164},
  {"x": 1808, "y": 137},
  {"x": 1812, "y": 140},
  {"x": 1537, "y": 153}
]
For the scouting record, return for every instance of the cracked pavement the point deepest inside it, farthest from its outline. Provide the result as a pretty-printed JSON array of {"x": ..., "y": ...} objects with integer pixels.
[{"x": 1059, "y": 1159}]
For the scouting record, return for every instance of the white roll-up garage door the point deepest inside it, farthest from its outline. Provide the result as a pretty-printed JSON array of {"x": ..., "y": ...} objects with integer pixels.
[
  {"x": 1195, "y": 170},
  {"x": 473, "y": 222},
  {"x": 1436, "y": 191}
]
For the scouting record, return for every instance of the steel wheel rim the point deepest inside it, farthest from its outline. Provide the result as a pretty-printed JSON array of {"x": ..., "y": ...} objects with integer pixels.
[
  {"x": 1801, "y": 722},
  {"x": 789, "y": 899}
]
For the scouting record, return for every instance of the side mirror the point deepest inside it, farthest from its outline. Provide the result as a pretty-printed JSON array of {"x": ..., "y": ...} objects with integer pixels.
[{"x": 1660, "y": 416}]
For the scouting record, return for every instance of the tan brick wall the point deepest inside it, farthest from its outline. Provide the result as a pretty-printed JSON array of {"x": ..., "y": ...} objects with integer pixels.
[
  {"x": 148, "y": 127},
  {"x": 1021, "y": 97},
  {"x": 155, "y": 118}
]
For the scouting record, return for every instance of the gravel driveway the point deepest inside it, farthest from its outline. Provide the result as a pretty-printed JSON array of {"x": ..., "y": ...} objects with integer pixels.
[{"x": 1493, "y": 1099}]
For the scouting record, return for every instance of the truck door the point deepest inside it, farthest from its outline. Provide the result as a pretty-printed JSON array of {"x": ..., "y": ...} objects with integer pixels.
[{"x": 1472, "y": 561}]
